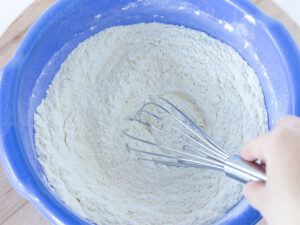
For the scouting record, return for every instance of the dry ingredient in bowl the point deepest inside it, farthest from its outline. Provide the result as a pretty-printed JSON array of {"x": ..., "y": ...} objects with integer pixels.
[{"x": 106, "y": 78}]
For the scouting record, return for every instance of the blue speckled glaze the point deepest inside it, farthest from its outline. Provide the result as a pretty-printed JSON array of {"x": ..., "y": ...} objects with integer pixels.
[{"x": 264, "y": 43}]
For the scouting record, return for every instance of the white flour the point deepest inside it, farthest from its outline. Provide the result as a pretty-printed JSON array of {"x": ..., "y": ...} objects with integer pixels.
[{"x": 106, "y": 78}]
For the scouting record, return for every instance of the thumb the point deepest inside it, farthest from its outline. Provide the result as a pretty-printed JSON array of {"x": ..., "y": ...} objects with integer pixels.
[{"x": 255, "y": 193}]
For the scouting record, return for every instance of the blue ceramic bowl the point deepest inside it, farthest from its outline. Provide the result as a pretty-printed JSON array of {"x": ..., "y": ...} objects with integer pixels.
[{"x": 263, "y": 42}]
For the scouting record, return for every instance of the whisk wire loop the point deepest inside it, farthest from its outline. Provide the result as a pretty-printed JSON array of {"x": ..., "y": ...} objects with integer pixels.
[
  {"x": 179, "y": 162},
  {"x": 205, "y": 150},
  {"x": 200, "y": 147},
  {"x": 164, "y": 148},
  {"x": 206, "y": 142},
  {"x": 204, "y": 137}
]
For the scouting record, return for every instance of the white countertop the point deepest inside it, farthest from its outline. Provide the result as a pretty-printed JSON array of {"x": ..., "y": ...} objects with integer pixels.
[
  {"x": 291, "y": 7},
  {"x": 10, "y": 9}
]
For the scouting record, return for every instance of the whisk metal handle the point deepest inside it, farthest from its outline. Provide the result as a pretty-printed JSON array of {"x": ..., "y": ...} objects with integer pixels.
[{"x": 244, "y": 171}]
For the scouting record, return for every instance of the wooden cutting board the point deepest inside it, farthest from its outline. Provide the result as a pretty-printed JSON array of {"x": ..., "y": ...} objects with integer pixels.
[{"x": 15, "y": 210}]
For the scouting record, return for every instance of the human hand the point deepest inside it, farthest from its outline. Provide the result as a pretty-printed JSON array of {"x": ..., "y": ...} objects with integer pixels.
[{"x": 278, "y": 200}]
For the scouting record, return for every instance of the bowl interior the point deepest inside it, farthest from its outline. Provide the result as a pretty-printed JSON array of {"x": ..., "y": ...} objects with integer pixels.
[{"x": 75, "y": 21}]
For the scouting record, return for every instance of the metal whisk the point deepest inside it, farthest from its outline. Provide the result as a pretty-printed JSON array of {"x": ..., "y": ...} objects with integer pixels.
[{"x": 180, "y": 142}]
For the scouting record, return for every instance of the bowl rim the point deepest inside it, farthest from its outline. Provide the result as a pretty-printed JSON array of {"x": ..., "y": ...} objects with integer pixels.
[{"x": 16, "y": 168}]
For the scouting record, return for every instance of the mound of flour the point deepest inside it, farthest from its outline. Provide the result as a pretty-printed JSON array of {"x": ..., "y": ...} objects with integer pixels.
[{"x": 106, "y": 78}]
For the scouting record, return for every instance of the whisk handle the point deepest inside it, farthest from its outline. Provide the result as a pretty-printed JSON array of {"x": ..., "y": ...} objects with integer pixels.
[{"x": 244, "y": 171}]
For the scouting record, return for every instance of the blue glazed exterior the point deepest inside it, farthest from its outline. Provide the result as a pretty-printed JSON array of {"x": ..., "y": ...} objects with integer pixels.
[{"x": 271, "y": 52}]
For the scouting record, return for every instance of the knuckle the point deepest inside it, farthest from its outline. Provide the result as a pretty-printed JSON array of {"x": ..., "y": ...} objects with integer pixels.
[
  {"x": 287, "y": 121},
  {"x": 284, "y": 131}
]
